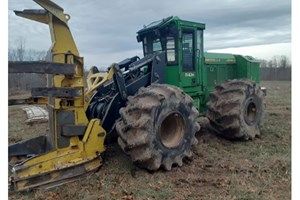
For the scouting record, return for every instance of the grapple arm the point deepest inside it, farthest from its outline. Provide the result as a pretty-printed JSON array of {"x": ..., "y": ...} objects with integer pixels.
[{"x": 75, "y": 143}]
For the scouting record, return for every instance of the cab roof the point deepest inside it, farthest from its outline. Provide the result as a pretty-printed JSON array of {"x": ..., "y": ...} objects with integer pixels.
[{"x": 167, "y": 21}]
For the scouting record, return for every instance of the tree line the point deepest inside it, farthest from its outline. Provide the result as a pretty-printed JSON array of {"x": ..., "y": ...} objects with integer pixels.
[
  {"x": 20, "y": 53},
  {"x": 277, "y": 68},
  {"x": 19, "y": 83},
  {"x": 276, "y": 62}
]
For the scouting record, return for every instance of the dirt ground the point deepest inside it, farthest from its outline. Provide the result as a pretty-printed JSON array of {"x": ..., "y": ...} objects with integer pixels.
[{"x": 219, "y": 169}]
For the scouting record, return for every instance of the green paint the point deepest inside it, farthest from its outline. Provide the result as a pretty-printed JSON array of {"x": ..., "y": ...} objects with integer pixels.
[{"x": 188, "y": 67}]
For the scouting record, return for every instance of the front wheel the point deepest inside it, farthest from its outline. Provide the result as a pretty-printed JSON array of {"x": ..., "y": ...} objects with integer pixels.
[
  {"x": 157, "y": 127},
  {"x": 236, "y": 109}
]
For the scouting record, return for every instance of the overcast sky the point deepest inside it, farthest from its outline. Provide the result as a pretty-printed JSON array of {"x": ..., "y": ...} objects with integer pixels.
[{"x": 105, "y": 31}]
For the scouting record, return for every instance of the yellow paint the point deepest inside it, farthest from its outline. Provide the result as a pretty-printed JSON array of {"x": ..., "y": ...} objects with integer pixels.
[
  {"x": 95, "y": 80},
  {"x": 77, "y": 153},
  {"x": 82, "y": 150},
  {"x": 88, "y": 165}
]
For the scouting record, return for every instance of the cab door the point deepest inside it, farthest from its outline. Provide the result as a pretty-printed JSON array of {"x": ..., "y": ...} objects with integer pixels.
[{"x": 188, "y": 75}]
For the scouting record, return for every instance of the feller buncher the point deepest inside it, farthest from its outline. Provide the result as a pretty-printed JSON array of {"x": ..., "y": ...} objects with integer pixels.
[{"x": 151, "y": 102}]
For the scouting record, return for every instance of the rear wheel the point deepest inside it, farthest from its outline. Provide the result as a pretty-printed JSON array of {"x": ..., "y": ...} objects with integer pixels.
[
  {"x": 157, "y": 127},
  {"x": 236, "y": 109}
]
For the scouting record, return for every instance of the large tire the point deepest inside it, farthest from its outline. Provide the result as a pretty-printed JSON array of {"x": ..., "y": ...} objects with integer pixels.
[
  {"x": 157, "y": 127},
  {"x": 236, "y": 109}
]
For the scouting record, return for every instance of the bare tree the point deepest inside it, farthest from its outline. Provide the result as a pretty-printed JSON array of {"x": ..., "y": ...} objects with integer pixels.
[
  {"x": 20, "y": 53},
  {"x": 20, "y": 50},
  {"x": 270, "y": 63},
  {"x": 34, "y": 55},
  {"x": 263, "y": 63},
  {"x": 21, "y": 81},
  {"x": 284, "y": 62},
  {"x": 274, "y": 62},
  {"x": 12, "y": 54}
]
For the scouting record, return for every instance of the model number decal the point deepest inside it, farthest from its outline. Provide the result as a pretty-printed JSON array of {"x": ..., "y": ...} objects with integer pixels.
[{"x": 189, "y": 74}]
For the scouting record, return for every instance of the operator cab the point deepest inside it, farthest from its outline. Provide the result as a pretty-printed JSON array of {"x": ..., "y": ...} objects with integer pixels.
[
  {"x": 156, "y": 39},
  {"x": 182, "y": 42}
]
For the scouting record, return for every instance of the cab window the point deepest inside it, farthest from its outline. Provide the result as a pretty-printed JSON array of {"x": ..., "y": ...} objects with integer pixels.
[
  {"x": 171, "y": 50},
  {"x": 188, "y": 52},
  {"x": 165, "y": 43}
]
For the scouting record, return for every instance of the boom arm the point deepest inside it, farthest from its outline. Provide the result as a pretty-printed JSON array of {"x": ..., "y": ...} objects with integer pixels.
[
  {"x": 54, "y": 16},
  {"x": 112, "y": 93}
]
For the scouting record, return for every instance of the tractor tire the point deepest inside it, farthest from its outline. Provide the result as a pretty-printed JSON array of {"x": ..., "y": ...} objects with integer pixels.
[
  {"x": 157, "y": 127},
  {"x": 236, "y": 109}
]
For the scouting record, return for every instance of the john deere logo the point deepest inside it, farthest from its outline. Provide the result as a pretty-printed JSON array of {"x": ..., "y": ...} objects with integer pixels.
[{"x": 189, "y": 74}]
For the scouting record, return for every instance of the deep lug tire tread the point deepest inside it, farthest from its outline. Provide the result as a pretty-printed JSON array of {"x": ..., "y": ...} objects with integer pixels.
[
  {"x": 136, "y": 132},
  {"x": 226, "y": 107}
]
